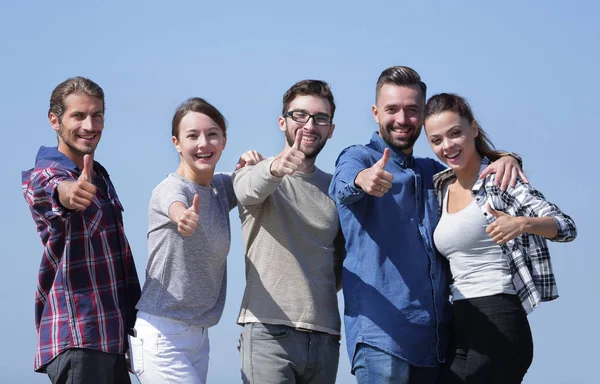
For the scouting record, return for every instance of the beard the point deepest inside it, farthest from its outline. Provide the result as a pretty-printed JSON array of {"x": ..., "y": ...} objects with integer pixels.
[
  {"x": 70, "y": 142},
  {"x": 310, "y": 153},
  {"x": 403, "y": 144}
]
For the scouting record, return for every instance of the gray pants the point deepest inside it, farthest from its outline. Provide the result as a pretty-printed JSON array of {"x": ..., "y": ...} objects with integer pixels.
[
  {"x": 88, "y": 366},
  {"x": 274, "y": 354}
]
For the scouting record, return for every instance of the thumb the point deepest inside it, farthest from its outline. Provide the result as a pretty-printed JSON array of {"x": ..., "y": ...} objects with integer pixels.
[
  {"x": 195, "y": 204},
  {"x": 298, "y": 139},
  {"x": 86, "y": 173},
  {"x": 495, "y": 213},
  {"x": 384, "y": 159}
]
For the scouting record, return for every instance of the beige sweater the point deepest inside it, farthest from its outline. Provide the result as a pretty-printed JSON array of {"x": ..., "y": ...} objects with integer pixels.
[{"x": 293, "y": 248}]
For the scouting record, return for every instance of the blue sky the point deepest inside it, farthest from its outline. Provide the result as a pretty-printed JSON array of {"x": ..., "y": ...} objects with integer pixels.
[{"x": 529, "y": 70}]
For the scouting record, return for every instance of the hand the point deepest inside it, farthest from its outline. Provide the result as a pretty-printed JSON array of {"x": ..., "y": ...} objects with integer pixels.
[
  {"x": 78, "y": 195},
  {"x": 188, "y": 221},
  {"x": 376, "y": 181},
  {"x": 290, "y": 160},
  {"x": 248, "y": 158},
  {"x": 505, "y": 228},
  {"x": 507, "y": 170}
]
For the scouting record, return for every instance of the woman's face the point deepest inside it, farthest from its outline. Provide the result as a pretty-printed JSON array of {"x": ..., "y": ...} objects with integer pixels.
[
  {"x": 452, "y": 139},
  {"x": 200, "y": 142}
]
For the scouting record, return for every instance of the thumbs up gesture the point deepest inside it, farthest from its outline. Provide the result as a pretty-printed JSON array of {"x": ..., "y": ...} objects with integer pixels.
[
  {"x": 376, "y": 181},
  {"x": 79, "y": 194},
  {"x": 505, "y": 228},
  {"x": 290, "y": 160},
  {"x": 188, "y": 221}
]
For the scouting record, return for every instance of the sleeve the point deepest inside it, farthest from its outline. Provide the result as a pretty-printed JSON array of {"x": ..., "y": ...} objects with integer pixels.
[
  {"x": 227, "y": 186},
  {"x": 348, "y": 165},
  {"x": 532, "y": 203},
  {"x": 41, "y": 192},
  {"x": 339, "y": 253},
  {"x": 170, "y": 193},
  {"x": 254, "y": 183}
]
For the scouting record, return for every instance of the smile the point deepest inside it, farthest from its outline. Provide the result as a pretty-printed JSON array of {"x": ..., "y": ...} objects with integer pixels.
[{"x": 203, "y": 155}]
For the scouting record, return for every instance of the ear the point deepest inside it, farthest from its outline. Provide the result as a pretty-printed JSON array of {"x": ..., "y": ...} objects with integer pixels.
[
  {"x": 331, "y": 129},
  {"x": 474, "y": 125},
  {"x": 375, "y": 113},
  {"x": 176, "y": 144},
  {"x": 54, "y": 121},
  {"x": 224, "y": 141},
  {"x": 281, "y": 122}
]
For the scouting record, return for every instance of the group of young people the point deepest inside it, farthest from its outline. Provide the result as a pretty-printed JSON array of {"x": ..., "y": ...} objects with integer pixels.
[{"x": 401, "y": 235}]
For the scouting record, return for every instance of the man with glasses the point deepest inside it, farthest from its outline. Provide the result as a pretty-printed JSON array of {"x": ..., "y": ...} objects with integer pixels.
[{"x": 293, "y": 249}]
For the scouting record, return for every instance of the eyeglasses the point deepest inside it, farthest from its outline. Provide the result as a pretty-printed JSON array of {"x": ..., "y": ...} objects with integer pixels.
[{"x": 303, "y": 117}]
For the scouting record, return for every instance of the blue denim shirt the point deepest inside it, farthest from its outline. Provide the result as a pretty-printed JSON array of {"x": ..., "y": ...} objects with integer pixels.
[{"x": 395, "y": 284}]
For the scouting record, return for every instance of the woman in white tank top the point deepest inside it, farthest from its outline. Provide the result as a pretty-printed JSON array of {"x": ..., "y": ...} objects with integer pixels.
[{"x": 495, "y": 243}]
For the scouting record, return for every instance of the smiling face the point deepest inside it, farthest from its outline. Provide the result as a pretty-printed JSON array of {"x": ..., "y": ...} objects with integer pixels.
[
  {"x": 200, "y": 142},
  {"x": 452, "y": 139},
  {"x": 80, "y": 128},
  {"x": 314, "y": 136},
  {"x": 399, "y": 114}
]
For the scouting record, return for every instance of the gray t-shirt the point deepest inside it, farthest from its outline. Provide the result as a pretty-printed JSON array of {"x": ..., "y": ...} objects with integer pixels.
[{"x": 186, "y": 277}]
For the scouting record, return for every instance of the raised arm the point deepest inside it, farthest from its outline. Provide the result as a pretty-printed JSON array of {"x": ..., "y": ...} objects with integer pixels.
[
  {"x": 537, "y": 216},
  {"x": 353, "y": 171}
]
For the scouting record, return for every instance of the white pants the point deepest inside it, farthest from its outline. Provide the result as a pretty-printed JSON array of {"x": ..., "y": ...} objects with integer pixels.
[{"x": 168, "y": 351}]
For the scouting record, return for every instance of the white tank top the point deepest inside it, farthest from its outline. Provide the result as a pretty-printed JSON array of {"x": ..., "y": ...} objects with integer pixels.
[{"x": 478, "y": 266}]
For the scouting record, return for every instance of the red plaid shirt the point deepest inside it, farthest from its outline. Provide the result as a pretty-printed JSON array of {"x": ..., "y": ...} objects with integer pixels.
[{"x": 87, "y": 284}]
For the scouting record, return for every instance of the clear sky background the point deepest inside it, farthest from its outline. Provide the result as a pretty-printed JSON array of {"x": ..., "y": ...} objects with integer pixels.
[{"x": 529, "y": 69}]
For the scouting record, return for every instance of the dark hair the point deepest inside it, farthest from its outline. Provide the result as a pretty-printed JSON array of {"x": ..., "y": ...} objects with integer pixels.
[
  {"x": 449, "y": 102},
  {"x": 73, "y": 85},
  {"x": 315, "y": 88},
  {"x": 197, "y": 104},
  {"x": 401, "y": 76}
]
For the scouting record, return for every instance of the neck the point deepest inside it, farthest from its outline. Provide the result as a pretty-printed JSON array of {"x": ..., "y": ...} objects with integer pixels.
[
  {"x": 467, "y": 175},
  {"x": 202, "y": 178},
  {"x": 75, "y": 156}
]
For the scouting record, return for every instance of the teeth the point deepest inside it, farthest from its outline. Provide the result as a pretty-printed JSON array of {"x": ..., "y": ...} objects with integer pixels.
[
  {"x": 454, "y": 155},
  {"x": 204, "y": 156}
]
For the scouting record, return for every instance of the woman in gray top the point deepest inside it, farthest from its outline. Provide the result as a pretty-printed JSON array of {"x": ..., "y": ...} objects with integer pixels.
[
  {"x": 188, "y": 243},
  {"x": 496, "y": 244}
]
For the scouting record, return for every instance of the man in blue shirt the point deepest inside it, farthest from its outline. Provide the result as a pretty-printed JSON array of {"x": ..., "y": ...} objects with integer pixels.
[{"x": 397, "y": 311}]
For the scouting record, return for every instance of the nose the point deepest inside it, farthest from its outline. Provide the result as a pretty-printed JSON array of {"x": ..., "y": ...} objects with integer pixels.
[
  {"x": 446, "y": 144},
  {"x": 401, "y": 117},
  {"x": 88, "y": 123}
]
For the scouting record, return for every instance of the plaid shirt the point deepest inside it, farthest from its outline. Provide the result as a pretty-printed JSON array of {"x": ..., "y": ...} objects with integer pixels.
[
  {"x": 527, "y": 255},
  {"x": 87, "y": 283}
]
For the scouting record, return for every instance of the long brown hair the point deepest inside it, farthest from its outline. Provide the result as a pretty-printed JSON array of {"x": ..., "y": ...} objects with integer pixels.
[{"x": 449, "y": 102}]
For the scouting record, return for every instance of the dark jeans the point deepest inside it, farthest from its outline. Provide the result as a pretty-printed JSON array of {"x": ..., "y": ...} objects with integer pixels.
[
  {"x": 88, "y": 366},
  {"x": 492, "y": 339}
]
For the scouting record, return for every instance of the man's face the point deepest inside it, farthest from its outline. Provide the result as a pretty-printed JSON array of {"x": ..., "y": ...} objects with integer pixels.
[
  {"x": 80, "y": 128},
  {"x": 314, "y": 136},
  {"x": 399, "y": 114}
]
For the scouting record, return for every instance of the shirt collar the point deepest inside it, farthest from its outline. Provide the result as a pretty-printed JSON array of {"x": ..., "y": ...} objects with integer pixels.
[
  {"x": 406, "y": 161},
  {"x": 441, "y": 178},
  {"x": 52, "y": 154}
]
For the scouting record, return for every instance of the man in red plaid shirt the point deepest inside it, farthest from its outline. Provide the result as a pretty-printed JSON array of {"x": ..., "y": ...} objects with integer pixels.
[{"x": 87, "y": 284}]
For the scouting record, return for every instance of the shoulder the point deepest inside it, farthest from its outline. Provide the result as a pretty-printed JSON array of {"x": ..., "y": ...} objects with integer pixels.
[{"x": 357, "y": 151}]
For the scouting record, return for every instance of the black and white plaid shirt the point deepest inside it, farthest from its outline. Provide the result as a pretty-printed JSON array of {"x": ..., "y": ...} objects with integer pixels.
[{"x": 527, "y": 255}]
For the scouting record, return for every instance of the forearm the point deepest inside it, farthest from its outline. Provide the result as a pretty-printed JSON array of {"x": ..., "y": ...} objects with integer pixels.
[
  {"x": 64, "y": 190},
  {"x": 542, "y": 226},
  {"x": 176, "y": 210}
]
